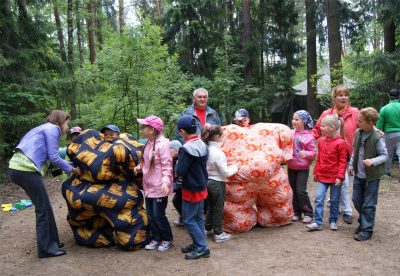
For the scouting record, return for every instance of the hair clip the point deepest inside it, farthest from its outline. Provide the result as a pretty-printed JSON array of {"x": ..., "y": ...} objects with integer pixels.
[{"x": 207, "y": 126}]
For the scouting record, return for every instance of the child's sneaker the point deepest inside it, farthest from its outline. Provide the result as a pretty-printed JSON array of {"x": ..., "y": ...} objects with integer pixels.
[
  {"x": 333, "y": 226},
  {"x": 295, "y": 218},
  {"x": 314, "y": 226},
  {"x": 222, "y": 237},
  {"x": 152, "y": 245},
  {"x": 194, "y": 255},
  {"x": 307, "y": 219},
  {"x": 165, "y": 245},
  {"x": 179, "y": 222}
]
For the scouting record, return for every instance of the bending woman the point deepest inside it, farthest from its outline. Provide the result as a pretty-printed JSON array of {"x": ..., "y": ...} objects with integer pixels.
[{"x": 36, "y": 147}]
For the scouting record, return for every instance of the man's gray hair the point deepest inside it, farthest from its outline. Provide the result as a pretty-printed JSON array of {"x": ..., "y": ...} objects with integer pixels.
[{"x": 198, "y": 90}]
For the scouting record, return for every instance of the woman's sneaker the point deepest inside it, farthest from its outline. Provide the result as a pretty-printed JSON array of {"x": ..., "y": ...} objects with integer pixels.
[
  {"x": 307, "y": 219},
  {"x": 222, "y": 237},
  {"x": 314, "y": 226},
  {"x": 295, "y": 218},
  {"x": 152, "y": 245},
  {"x": 165, "y": 245}
]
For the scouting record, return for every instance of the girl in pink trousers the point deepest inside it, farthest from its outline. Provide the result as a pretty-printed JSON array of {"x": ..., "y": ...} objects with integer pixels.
[{"x": 298, "y": 167}]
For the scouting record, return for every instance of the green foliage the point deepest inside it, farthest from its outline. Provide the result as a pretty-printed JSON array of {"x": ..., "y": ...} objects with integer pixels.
[
  {"x": 144, "y": 81},
  {"x": 370, "y": 72}
]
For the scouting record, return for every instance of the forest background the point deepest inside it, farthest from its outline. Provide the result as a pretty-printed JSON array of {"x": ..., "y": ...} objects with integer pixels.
[{"x": 83, "y": 56}]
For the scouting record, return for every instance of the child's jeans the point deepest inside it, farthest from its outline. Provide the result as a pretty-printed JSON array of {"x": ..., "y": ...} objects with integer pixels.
[
  {"x": 322, "y": 188},
  {"x": 301, "y": 201},
  {"x": 158, "y": 221},
  {"x": 192, "y": 215},
  {"x": 215, "y": 200},
  {"x": 365, "y": 198}
]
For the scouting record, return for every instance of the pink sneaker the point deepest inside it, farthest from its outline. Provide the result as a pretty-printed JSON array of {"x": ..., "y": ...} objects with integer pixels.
[{"x": 307, "y": 219}]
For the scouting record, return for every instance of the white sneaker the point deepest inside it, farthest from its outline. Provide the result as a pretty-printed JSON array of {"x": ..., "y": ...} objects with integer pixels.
[
  {"x": 307, "y": 219},
  {"x": 152, "y": 245},
  {"x": 209, "y": 232},
  {"x": 314, "y": 226},
  {"x": 165, "y": 245},
  {"x": 222, "y": 237},
  {"x": 333, "y": 226},
  {"x": 295, "y": 218}
]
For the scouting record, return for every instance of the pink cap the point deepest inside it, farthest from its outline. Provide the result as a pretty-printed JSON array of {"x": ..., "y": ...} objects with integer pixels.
[{"x": 153, "y": 121}]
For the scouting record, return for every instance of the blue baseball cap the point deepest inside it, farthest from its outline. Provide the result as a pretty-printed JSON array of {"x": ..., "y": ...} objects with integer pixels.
[
  {"x": 241, "y": 114},
  {"x": 110, "y": 127},
  {"x": 186, "y": 121}
]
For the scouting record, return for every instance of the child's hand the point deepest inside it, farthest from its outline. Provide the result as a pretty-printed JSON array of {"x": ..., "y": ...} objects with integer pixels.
[
  {"x": 165, "y": 188},
  {"x": 350, "y": 171},
  {"x": 303, "y": 154},
  {"x": 137, "y": 170},
  {"x": 76, "y": 171},
  {"x": 338, "y": 182},
  {"x": 368, "y": 162}
]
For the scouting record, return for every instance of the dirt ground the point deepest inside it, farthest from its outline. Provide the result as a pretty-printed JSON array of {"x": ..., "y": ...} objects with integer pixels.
[{"x": 288, "y": 250}]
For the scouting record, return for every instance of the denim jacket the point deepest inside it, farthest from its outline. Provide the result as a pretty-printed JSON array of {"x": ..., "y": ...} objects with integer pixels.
[
  {"x": 211, "y": 118},
  {"x": 41, "y": 144}
]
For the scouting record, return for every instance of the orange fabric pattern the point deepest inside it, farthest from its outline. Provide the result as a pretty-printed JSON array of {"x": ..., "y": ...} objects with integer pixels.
[{"x": 260, "y": 191}]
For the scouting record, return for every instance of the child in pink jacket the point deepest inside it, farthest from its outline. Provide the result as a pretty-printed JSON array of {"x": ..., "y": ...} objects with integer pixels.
[
  {"x": 298, "y": 167},
  {"x": 157, "y": 182}
]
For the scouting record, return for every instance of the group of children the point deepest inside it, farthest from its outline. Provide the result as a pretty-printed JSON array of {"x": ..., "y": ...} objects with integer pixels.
[
  {"x": 201, "y": 172},
  {"x": 197, "y": 171},
  {"x": 366, "y": 164}
]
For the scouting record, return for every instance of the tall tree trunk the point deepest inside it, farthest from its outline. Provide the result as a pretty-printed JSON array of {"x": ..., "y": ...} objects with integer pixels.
[
  {"x": 99, "y": 33},
  {"x": 334, "y": 40},
  {"x": 311, "y": 31},
  {"x": 121, "y": 16},
  {"x": 262, "y": 34},
  {"x": 389, "y": 35},
  {"x": 59, "y": 31},
  {"x": 91, "y": 25},
  {"x": 246, "y": 38},
  {"x": 79, "y": 33},
  {"x": 389, "y": 38},
  {"x": 159, "y": 8},
  {"x": 70, "y": 42}
]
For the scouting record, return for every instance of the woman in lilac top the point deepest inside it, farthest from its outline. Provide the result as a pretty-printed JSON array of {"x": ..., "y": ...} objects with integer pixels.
[{"x": 36, "y": 147}]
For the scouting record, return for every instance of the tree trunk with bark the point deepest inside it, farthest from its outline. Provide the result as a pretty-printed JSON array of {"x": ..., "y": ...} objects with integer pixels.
[
  {"x": 70, "y": 42},
  {"x": 246, "y": 36},
  {"x": 99, "y": 33},
  {"x": 91, "y": 25},
  {"x": 334, "y": 40},
  {"x": 311, "y": 30},
  {"x": 159, "y": 8},
  {"x": 79, "y": 32},
  {"x": 121, "y": 16},
  {"x": 389, "y": 35},
  {"x": 60, "y": 34}
]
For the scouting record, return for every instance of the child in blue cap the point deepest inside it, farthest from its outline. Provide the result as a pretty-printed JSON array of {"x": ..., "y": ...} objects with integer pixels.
[{"x": 110, "y": 132}]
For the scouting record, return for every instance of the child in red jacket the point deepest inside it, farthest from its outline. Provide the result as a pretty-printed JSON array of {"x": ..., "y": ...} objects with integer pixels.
[{"x": 329, "y": 171}]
